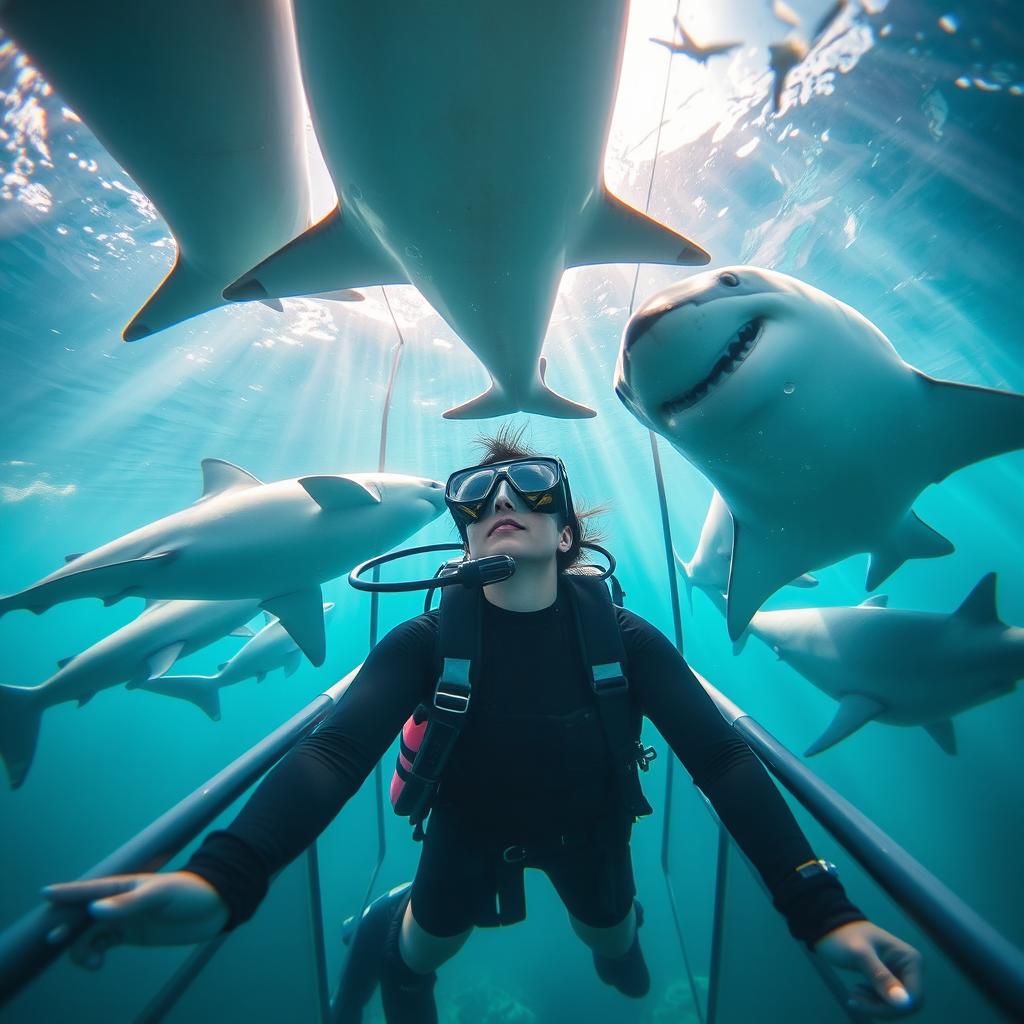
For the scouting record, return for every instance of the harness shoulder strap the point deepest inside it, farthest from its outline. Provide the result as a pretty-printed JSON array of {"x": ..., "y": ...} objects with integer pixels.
[
  {"x": 459, "y": 644},
  {"x": 605, "y": 655}
]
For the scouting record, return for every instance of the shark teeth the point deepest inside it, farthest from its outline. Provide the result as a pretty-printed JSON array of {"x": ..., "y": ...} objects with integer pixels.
[{"x": 741, "y": 345}]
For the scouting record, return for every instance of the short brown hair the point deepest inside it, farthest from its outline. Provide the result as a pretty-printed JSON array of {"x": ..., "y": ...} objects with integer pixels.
[{"x": 507, "y": 444}]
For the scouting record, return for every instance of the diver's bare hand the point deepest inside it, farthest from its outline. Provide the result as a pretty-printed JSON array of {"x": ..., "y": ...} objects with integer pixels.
[
  {"x": 165, "y": 909},
  {"x": 892, "y": 968}
]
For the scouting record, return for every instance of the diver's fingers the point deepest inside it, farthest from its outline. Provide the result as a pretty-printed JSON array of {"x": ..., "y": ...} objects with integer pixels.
[
  {"x": 89, "y": 948},
  {"x": 91, "y": 888},
  {"x": 143, "y": 898}
]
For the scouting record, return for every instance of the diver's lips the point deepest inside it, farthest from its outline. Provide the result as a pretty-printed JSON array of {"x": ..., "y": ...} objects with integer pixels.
[{"x": 739, "y": 348}]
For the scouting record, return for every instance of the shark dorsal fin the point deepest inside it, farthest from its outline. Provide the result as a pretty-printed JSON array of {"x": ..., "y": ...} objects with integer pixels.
[
  {"x": 71, "y": 558},
  {"x": 979, "y": 606},
  {"x": 876, "y": 601},
  {"x": 268, "y": 617},
  {"x": 220, "y": 476},
  {"x": 340, "y": 493}
]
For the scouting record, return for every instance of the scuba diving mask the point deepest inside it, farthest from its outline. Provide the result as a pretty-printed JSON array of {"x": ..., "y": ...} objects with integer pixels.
[{"x": 540, "y": 481}]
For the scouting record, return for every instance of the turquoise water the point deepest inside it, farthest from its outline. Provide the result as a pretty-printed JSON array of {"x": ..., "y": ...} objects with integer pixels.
[{"x": 891, "y": 179}]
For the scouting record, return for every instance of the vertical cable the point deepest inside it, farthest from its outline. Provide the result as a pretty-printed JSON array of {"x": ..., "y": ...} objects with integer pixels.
[
  {"x": 378, "y": 772},
  {"x": 673, "y": 587}
]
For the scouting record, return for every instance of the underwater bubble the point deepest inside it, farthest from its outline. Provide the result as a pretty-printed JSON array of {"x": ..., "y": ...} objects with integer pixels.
[
  {"x": 949, "y": 23},
  {"x": 1016, "y": 90},
  {"x": 986, "y": 86},
  {"x": 962, "y": 83},
  {"x": 789, "y": 387}
]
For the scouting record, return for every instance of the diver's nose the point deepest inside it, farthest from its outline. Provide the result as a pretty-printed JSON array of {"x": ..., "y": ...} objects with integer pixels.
[{"x": 504, "y": 498}]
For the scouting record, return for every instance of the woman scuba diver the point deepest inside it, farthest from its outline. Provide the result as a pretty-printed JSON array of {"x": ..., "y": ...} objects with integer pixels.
[{"x": 531, "y": 691}]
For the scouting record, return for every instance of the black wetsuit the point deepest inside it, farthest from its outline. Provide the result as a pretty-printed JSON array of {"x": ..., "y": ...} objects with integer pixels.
[{"x": 532, "y": 761}]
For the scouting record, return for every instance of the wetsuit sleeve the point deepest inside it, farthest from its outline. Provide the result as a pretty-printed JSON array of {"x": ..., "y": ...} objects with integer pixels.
[
  {"x": 727, "y": 771},
  {"x": 303, "y": 793}
]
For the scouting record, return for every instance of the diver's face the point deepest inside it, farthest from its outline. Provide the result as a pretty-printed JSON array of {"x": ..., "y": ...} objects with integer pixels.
[{"x": 507, "y": 527}]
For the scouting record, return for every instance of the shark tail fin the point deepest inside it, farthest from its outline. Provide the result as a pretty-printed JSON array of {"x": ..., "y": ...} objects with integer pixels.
[
  {"x": 20, "y": 715},
  {"x": 185, "y": 292},
  {"x": 615, "y": 232},
  {"x": 335, "y": 253},
  {"x": 540, "y": 400},
  {"x": 202, "y": 691},
  {"x": 911, "y": 538}
]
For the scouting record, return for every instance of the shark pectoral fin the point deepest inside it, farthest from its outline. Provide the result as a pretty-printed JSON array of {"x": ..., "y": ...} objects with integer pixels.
[
  {"x": 20, "y": 715},
  {"x": 335, "y": 253},
  {"x": 199, "y": 690},
  {"x": 683, "y": 569},
  {"x": 220, "y": 476},
  {"x": 85, "y": 698},
  {"x": 762, "y": 563},
  {"x": 876, "y": 601},
  {"x": 854, "y": 710},
  {"x": 160, "y": 662},
  {"x": 615, "y": 232},
  {"x": 260, "y": 676},
  {"x": 339, "y": 494},
  {"x": 65, "y": 661},
  {"x": 242, "y": 631},
  {"x": 71, "y": 558},
  {"x": 970, "y": 424},
  {"x": 979, "y": 606},
  {"x": 112, "y": 599},
  {"x": 274, "y": 304},
  {"x": 302, "y": 615},
  {"x": 342, "y": 295},
  {"x": 943, "y": 734},
  {"x": 185, "y": 292},
  {"x": 291, "y": 663},
  {"x": 910, "y": 538},
  {"x": 805, "y": 582}
]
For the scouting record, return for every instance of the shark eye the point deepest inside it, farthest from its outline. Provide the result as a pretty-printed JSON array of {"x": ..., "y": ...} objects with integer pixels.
[{"x": 729, "y": 279}]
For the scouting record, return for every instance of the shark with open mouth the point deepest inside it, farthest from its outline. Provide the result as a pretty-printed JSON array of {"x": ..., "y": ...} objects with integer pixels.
[{"x": 799, "y": 410}]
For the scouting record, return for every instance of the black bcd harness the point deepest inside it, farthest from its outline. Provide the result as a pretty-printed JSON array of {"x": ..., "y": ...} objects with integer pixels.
[{"x": 459, "y": 644}]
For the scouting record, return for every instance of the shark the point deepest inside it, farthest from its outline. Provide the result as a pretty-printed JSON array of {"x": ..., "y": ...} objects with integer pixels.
[
  {"x": 243, "y": 538},
  {"x": 463, "y": 173},
  {"x": 201, "y": 103},
  {"x": 143, "y": 649},
  {"x": 708, "y": 569},
  {"x": 687, "y": 45},
  {"x": 271, "y": 648},
  {"x": 899, "y": 667},
  {"x": 803, "y": 416}
]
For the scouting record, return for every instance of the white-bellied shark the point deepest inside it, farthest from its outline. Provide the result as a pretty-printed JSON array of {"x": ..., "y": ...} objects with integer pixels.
[
  {"x": 201, "y": 103},
  {"x": 800, "y": 412},
  {"x": 243, "y": 538},
  {"x": 143, "y": 649},
  {"x": 466, "y": 146},
  {"x": 900, "y": 667},
  {"x": 708, "y": 569},
  {"x": 271, "y": 648}
]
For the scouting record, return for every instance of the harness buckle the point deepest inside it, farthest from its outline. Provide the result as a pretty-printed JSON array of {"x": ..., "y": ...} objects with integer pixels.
[
  {"x": 457, "y": 703},
  {"x": 608, "y": 678},
  {"x": 513, "y": 854},
  {"x": 644, "y": 756},
  {"x": 453, "y": 688}
]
